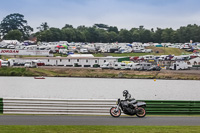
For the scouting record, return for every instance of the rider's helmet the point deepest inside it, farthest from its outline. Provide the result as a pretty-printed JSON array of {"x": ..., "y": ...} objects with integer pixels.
[{"x": 125, "y": 93}]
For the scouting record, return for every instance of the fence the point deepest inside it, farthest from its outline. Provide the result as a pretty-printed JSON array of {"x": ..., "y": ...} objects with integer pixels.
[
  {"x": 173, "y": 107},
  {"x": 91, "y": 106},
  {"x": 1, "y": 105}
]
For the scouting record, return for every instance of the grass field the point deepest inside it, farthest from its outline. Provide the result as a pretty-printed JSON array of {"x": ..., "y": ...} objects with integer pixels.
[{"x": 99, "y": 129}]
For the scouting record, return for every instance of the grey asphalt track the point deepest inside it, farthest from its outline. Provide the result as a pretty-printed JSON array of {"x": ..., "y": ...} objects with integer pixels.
[{"x": 97, "y": 120}]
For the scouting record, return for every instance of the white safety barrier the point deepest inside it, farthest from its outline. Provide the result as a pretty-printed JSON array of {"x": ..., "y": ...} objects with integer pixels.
[{"x": 57, "y": 106}]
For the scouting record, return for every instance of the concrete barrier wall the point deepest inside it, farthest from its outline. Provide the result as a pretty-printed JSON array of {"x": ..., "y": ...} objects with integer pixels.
[{"x": 92, "y": 106}]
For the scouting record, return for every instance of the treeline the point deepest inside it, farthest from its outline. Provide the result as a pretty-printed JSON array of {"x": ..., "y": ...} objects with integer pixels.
[
  {"x": 104, "y": 33},
  {"x": 14, "y": 26}
]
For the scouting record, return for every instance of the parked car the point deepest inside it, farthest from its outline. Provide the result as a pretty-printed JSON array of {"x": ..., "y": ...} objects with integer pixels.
[{"x": 154, "y": 68}]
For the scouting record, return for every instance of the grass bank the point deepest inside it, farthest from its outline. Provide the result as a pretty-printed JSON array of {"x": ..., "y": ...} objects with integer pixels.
[
  {"x": 161, "y": 51},
  {"x": 99, "y": 129},
  {"x": 99, "y": 73}
]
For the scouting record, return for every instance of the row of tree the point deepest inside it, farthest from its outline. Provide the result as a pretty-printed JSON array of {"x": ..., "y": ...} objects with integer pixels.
[{"x": 14, "y": 26}]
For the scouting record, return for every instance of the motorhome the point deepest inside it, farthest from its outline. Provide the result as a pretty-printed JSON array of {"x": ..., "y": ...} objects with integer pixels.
[
  {"x": 144, "y": 66},
  {"x": 119, "y": 65},
  {"x": 179, "y": 65},
  {"x": 32, "y": 63},
  {"x": 148, "y": 57},
  {"x": 132, "y": 66},
  {"x": 107, "y": 65}
]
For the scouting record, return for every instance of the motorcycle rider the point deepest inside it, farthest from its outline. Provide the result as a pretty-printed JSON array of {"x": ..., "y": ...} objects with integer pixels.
[{"x": 130, "y": 101}]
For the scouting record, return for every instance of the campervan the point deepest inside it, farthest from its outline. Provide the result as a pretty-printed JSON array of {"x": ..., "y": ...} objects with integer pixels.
[{"x": 181, "y": 65}]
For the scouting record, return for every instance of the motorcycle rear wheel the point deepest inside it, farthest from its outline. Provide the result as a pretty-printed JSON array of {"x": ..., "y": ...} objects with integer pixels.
[
  {"x": 141, "y": 112},
  {"x": 115, "y": 113}
]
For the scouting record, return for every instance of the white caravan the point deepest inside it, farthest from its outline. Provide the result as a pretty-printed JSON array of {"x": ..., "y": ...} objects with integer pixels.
[{"x": 181, "y": 65}]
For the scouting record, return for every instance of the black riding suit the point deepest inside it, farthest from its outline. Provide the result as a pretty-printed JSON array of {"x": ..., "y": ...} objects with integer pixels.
[{"x": 131, "y": 101}]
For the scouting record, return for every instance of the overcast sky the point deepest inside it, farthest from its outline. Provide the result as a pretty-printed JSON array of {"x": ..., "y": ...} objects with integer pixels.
[{"x": 120, "y": 13}]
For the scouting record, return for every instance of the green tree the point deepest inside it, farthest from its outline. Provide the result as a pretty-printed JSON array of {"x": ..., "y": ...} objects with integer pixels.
[
  {"x": 67, "y": 26},
  {"x": 43, "y": 26},
  {"x": 167, "y": 35},
  {"x": 125, "y": 36},
  {"x": 101, "y": 26},
  {"x": 45, "y": 36},
  {"x": 135, "y": 34},
  {"x": 102, "y": 35},
  {"x": 15, "y": 21},
  {"x": 68, "y": 34},
  {"x": 157, "y": 35},
  {"x": 112, "y": 37},
  {"x": 113, "y": 28},
  {"x": 14, "y": 35}
]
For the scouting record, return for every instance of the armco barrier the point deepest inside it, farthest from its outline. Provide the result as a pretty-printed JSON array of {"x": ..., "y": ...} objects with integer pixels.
[
  {"x": 92, "y": 107},
  {"x": 1, "y": 105},
  {"x": 56, "y": 106}
]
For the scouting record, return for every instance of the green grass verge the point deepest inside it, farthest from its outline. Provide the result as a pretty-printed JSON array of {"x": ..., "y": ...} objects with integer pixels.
[
  {"x": 99, "y": 129},
  {"x": 7, "y": 71}
]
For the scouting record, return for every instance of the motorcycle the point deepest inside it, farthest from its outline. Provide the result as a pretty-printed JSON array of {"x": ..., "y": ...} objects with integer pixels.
[{"x": 137, "y": 109}]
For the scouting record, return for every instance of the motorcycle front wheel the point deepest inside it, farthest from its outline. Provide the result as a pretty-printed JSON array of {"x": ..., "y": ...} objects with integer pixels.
[
  {"x": 114, "y": 112},
  {"x": 141, "y": 112}
]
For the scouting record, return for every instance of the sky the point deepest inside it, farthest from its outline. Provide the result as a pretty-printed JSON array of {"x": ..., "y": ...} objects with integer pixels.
[{"x": 124, "y": 14}]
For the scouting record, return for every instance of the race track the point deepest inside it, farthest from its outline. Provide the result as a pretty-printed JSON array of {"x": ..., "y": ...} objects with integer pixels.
[{"x": 97, "y": 120}]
